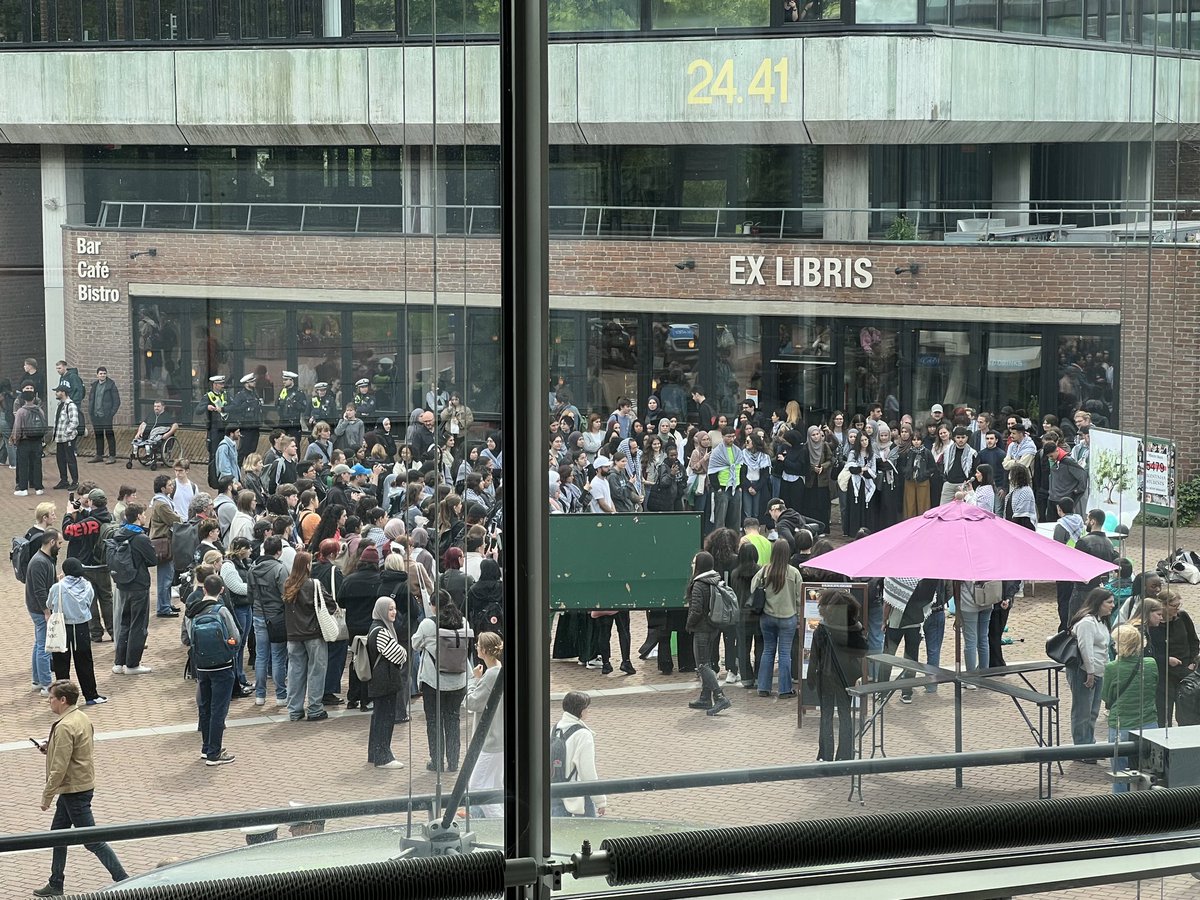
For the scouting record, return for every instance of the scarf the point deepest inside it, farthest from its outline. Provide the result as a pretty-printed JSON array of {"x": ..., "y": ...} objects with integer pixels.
[
  {"x": 816, "y": 446},
  {"x": 380, "y": 614},
  {"x": 1073, "y": 524},
  {"x": 1025, "y": 448}
]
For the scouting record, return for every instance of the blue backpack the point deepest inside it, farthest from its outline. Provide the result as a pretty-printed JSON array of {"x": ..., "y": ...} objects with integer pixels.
[{"x": 213, "y": 644}]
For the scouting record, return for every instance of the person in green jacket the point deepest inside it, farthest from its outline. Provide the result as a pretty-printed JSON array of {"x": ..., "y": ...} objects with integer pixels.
[{"x": 1128, "y": 689}]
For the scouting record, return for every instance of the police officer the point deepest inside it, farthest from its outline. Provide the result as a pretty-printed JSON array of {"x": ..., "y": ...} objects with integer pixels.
[
  {"x": 246, "y": 411},
  {"x": 364, "y": 401},
  {"x": 321, "y": 407},
  {"x": 293, "y": 407},
  {"x": 213, "y": 406}
]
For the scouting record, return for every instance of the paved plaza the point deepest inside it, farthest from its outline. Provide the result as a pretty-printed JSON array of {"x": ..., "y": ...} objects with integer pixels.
[{"x": 147, "y": 766}]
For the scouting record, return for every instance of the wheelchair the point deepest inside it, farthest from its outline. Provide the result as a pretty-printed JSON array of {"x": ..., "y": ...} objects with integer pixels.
[{"x": 154, "y": 450}]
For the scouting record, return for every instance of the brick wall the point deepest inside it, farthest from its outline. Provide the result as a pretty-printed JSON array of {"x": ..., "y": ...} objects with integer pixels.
[
  {"x": 1035, "y": 276},
  {"x": 1177, "y": 170}
]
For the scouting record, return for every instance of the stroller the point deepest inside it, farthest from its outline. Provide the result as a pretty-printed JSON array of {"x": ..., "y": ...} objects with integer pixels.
[{"x": 154, "y": 449}]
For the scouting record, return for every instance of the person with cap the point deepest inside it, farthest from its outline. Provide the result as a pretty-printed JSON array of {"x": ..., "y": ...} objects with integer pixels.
[
  {"x": 350, "y": 431},
  {"x": 102, "y": 409},
  {"x": 28, "y": 432},
  {"x": 339, "y": 488},
  {"x": 66, "y": 430},
  {"x": 213, "y": 406},
  {"x": 937, "y": 413},
  {"x": 246, "y": 411},
  {"x": 602, "y": 501},
  {"x": 73, "y": 596},
  {"x": 321, "y": 407},
  {"x": 84, "y": 526},
  {"x": 364, "y": 400},
  {"x": 293, "y": 407}
]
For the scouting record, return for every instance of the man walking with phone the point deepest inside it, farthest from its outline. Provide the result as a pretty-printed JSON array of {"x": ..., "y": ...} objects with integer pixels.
[{"x": 71, "y": 775}]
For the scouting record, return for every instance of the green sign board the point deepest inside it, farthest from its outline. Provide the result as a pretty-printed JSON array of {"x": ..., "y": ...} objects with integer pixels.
[{"x": 628, "y": 561}]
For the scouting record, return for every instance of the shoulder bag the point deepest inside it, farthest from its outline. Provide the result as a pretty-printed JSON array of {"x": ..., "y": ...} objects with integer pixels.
[
  {"x": 328, "y": 622},
  {"x": 386, "y": 677},
  {"x": 56, "y": 625},
  {"x": 1063, "y": 648}
]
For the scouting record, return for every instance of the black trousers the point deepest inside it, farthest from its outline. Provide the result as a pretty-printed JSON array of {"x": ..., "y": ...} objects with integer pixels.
[
  {"x": 621, "y": 620},
  {"x": 79, "y": 646},
  {"x": 996, "y": 634},
  {"x": 383, "y": 723},
  {"x": 103, "y": 429},
  {"x": 911, "y": 638},
  {"x": 134, "y": 625},
  {"x": 441, "y": 723},
  {"x": 68, "y": 462},
  {"x": 29, "y": 465},
  {"x": 834, "y": 697},
  {"x": 102, "y": 607}
]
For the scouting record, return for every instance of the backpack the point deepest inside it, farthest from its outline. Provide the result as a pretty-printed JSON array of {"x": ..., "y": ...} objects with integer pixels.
[
  {"x": 100, "y": 551},
  {"x": 213, "y": 478},
  {"x": 452, "y": 651},
  {"x": 360, "y": 656},
  {"x": 213, "y": 645},
  {"x": 558, "y": 754},
  {"x": 1187, "y": 704},
  {"x": 118, "y": 556},
  {"x": 185, "y": 538},
  {"x": 35, "y": 423},
  {"x": 723, "y": 606},
  {"x": 20, "y": 554}
]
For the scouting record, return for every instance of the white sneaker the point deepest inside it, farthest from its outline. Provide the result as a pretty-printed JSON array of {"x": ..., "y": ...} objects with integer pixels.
[
  {"x": 653, "y": 654},
  {"x": 260, "y": 701},
  {"x": 39, "y": 492},
  {"x": 969, "y": 687},
  {"x": 140, "y": 670},
  {"x": 20, "y": 493},
  {"x": 118, "y": 670},
  {"x": 596, "y": 663},
  {"x": 279, "y": 704},
  {"x": 394, "y": 764},
  {"x": 45, "y": 692},
  {"x": 732, "y": 678}
]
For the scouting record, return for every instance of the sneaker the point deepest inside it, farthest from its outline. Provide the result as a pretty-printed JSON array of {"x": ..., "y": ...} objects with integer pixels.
[
  {"x": 606, "y": 669},
  {"x": 596, "y": 663},
  {"x": 700, "y": 704},
  {"x": 118, "y": 670},
  {"x": 48, "y": 890},
  {"x": 319, "y": 717},
  {"x": 168, "y": 615},
  {"x": 203, "y": 756},
  {"x": 96, "y": 701},
  {"x": 280, "y": 704},
  {"x": 732, "y": 678},
  {"x": 26, "y": 494},
  {"x": 722, "y": 704},
  {"x": 764, "y": 693},
  {"x": 969, "y": 687},
  {"x": 394, "y": 764},
  {"x": 39, "y": 492},
  {"x": 138, "y": 670},
  {"x": 332, "y": 700},
  {"x": 787, "y": 695},
  {"x": 61, "y": 486},
  {"x": 44, "y": 692},
  {"x": 653, "y": 654},
  {"x": 260, "y": 701},
  {"x": 904, "y": 699},
  {"x": 627, "y": 668},
  {"x": 223, "y": 760}
]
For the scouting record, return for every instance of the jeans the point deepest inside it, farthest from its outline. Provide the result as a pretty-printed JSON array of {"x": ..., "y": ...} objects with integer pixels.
[
  {"x": 68, "y": 464},
  {"x": 726, "y": 509},
  {"x": 244, "y": 616},
  {"x": 778, "y": 634},
  {"x": 1085, "y": 706},
  {"x": 875, "y": 626},
  {"x": 441, "y": 723},
  {"x": 166, "y": 575},
  {"x": 1121, "y": 763},
  {"x": 975, "y": 625},
  {"x": 306, "y": 661},
  {"x": 131, "y": 630},
  {"x": 75, "y": 811},
  {"x": 79, "y": 645},
  {"x": 214, "y": 689},
  {"x": 335, "y": 666},
  {"x": 935, "y": 632},
  {"x": 383, "y": 724},
  {"x": 40, "y": 662},
  {"x": 269, "y": 657},
  {"x": 705, "y": 644}
]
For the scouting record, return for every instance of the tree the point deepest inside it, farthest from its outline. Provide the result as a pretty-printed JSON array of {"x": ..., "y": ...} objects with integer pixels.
[{"x": 1112, "y": 473}]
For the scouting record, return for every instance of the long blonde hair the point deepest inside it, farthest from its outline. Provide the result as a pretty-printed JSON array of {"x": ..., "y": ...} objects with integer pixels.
[{"x": 792, "y": 411}]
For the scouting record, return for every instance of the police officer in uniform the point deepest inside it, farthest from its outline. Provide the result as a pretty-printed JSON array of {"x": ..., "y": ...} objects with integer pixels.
[
  {"x": 213, "y": 406},
  {"x": 321, "y": 408},
  {"x": 364, "y": 402},
  {"x": 293, "y": 407},
  {"x": 246, "y": 411}
]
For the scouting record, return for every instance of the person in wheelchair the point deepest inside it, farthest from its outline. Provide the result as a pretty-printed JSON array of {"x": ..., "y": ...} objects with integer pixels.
[{"x": 153, "y": 436}]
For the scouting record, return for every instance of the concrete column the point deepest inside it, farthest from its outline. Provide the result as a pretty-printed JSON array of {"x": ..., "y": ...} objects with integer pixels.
[
  {"x": 62, "y": 204},
  {"x": 1011, "y": 182},
  {"x": 1141, "y": 179},
  {"x": 847, "y": 186},
  {"x": 331, "y": 14}
]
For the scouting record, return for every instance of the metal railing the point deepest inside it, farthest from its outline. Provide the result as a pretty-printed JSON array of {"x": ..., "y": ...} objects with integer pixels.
[{"x": 1036, "y": 221}]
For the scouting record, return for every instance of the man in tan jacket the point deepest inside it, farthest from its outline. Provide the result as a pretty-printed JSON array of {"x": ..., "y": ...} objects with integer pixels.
[{"x": 71, "y": 775}]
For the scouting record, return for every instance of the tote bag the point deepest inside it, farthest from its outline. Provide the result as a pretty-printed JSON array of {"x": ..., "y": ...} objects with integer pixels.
[
  {"x": 333, "y": 625},
  {"x": 56, "y": 625}
]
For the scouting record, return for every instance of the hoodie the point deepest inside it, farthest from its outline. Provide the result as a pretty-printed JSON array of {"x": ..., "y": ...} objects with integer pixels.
[
  {"x": 83, "y": 534},
  {"x": 73, "y": 596},
  {"x": 699, "y": 602},
  {"x": 1067, "y": 479}
]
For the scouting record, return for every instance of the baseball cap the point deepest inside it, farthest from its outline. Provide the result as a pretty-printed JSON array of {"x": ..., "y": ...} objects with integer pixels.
[
  {"x": 601, "y": 461},
  {"x": 98, "y": 496},
  {"x": 360, "y": 469},
  {"x": 340, "y": 469},
  {"x": 937, "y": 407}
]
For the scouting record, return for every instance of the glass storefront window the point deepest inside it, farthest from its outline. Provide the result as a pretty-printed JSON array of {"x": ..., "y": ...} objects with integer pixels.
[
  {"x": 433, "y": 347},
  {"x": 802, "y": 362},
  {"x": 675, "y": 364},
  {"x": 944, "y": 370},
  {"x": 1064, "y": 18},
  {"x": 484, "y": 386},
  {"x": 975, "y": 14},
  {"x": 870, "y": 368},
  {"x": 462, "y": 17},
  {"x": 319, "y": 348},
  {"x": 374, "y": 15},
  {"x": 1014, "y": 372},
  {"x": 612, "y": 347},
  {"x": 160, "y": 352},
  {"x": 1087, "y": 377},
  {"x": 1023, "y": 16},
  {"x": 880, "y": 12},
  {"x": 264, "y": 343},
  {"x": 709, "y": 13},
  {"x": 614, "y": 15},
  {"x": 373, "y": 356},
  {"x": 738, "y": 362}
]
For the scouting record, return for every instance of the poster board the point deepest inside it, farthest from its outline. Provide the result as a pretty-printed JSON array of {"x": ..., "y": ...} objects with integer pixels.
[
  {"x": 621, "y": 561},
  {"x": 809, "y": 620},
  {"x": 1124, "y": 471}
]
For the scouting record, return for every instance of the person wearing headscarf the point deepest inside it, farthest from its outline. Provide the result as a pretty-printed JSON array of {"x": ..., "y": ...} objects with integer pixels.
[
  {"x": 861, "y": 469},
  {"x": 631, "y": 449},
  {"x": 651, "y": 413},
  {"x": 819, "y": 461},
  {"x": 556, "y": 502},
  {"x": 889, "y": 485},
  {"x": 393, "y": 531},
  {"x": 485, "y": 599},
  {"x": 493, "y": 453},
  {"x": 419, "y": 550},
  {"x": 756, "y": 471},
  {"x": 389, "y": 676}
]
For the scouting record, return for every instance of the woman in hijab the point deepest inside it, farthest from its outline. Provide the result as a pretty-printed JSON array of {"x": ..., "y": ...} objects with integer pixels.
[
  {"x": 861, "y": 469},
  {"x": 888, "y": 484},
  {"x": 756, "y": 471},
  {"x": 651, "y": 413},
  {"x": 816, "y": 479},
  {"x": 485, "y": 599},
  {"x": 631, "y": 449},
  {"x": 493, "y": 453},
  {"x": 795, "y": 468},
  {"x": 389, "y": 676}
]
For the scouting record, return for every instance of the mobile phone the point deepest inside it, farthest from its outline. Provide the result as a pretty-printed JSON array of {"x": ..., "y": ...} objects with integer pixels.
[
  {"x": 36, "y": 743},
  {"x": 71, "y": 497}
]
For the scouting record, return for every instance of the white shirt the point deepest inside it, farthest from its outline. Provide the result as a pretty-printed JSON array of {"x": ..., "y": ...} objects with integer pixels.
[
  {"x": 600, "y": 491},
  {"x": 184, "y": 492}
]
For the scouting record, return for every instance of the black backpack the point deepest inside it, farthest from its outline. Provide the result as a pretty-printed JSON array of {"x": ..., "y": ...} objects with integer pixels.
[
  {"x": 20, "y": 554},
  {"x": 119, "y": 558},
  {"x": 185, "y": 538},
  {"x": 1187, "y": 704},
  {"x": 213, "y": 478},
  {"x": 35, "y": 423},
  {"x": 558, "y": 754}
]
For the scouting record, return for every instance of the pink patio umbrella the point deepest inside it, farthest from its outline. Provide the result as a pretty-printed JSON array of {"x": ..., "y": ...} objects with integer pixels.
[{"x": 961, "y": 542}]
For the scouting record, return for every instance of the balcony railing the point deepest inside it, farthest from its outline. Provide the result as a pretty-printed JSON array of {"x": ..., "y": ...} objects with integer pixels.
[{"x": 1091, "y": 221}]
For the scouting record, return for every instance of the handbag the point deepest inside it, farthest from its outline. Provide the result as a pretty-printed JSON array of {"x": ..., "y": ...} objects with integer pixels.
[
  {"x": 1063, "y": 648},
  {"x": 338, "y": 614},
  {"x": 162, "y": 548},
  {"x": 56, "y": 629},
  {"x": 758, "y": 600},
  {"x": 277, "y": 629},
  {"x": 325, "y": 619}
]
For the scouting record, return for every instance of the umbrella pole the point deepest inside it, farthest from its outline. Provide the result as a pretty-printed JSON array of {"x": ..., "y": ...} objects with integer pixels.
[{"x": 958, "y": 730}]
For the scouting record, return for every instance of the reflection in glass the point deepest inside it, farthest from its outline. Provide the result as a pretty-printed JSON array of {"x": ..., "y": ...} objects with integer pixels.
[
  {"x": 1087, "y": 378},
  {"x": 870, "y": 12},
  {"x": 615, "y": 15},
  {"x": 374, "y": 15},
  {"x": 1023, "y": 16},
  {"x": 264, "y": 339},
  {"x": 1014, "y": 372},
  {"x": 675, "y": 364},
  {"x": 975, "y": 14},
  {"x": 319, "y": 348},
  {"x": 453, "y": 17},
  {"x": 870, "y": 369},
  {"x": 943, "y": 370},
  {"x": 1064, "y": 18},
  {"x": 612, "y": 347},
  {"x": 802, "y": 358},
  {"x": 709, "y": 13}
]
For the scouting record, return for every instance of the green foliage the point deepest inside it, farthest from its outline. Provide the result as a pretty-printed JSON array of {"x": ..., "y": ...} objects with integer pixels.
[
  {"x": 901, "y": 230},
  {"x": 1112, "y": 474},
  {"x": 710, "y": 13}
]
